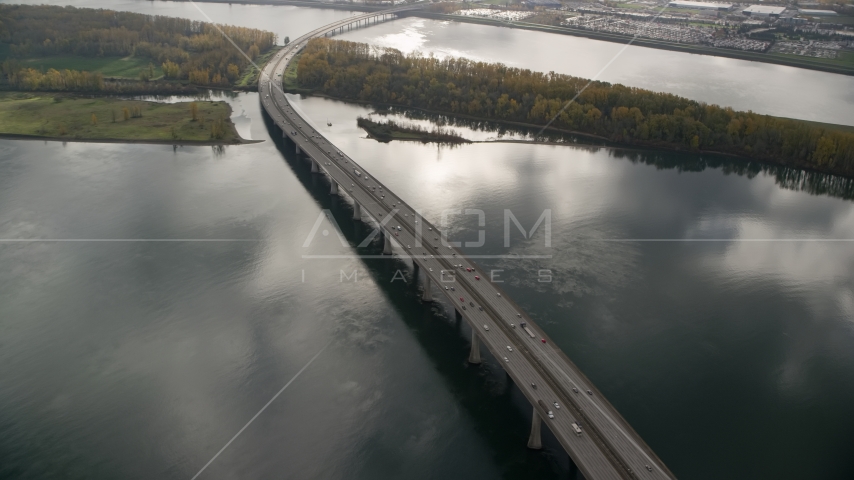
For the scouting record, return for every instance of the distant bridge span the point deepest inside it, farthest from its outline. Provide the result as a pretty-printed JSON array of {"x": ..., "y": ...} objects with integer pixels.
[{"x": 607, "y": 448}]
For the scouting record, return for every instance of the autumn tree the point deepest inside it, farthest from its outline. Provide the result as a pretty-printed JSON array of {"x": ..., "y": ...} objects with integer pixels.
[
  {"x": 36, "y": 30},
  {"x": 233, "y": 72},
  {"x": 253, "y": 52},
  {"x": 611, "y": 111}
]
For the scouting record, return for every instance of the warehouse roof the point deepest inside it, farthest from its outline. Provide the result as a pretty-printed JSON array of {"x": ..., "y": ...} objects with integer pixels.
[
  {"x": 764, "y": 10},
  {"x": 701, "y": 5}
]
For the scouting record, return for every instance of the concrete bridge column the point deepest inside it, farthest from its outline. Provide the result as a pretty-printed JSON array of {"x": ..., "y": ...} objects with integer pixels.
[
  {"x": 314, "y": 167},
  {"x": 357, "y": 211},
  {"x": 333, "y": 189},
  {"x": 535, "y": 440},
  {"x": 386, "y": 244},
  {"x": 474, "y": 355},
  {"x": 298, "y": 149},
  {"x": 426, "y": 296}
]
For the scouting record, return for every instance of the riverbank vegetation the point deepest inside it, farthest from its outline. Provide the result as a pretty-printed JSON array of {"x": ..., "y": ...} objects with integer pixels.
[
  {"x": 73, "y": 118},
  {"x": 79, "y": 49},
  {"x": 289, "y": 78},
  {"x": 621, "y": 114},
  {"x": 391, "y": 130}
]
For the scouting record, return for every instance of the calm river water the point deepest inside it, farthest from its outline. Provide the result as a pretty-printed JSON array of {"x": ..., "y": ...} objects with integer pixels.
[{"x": 126, "y": 356}]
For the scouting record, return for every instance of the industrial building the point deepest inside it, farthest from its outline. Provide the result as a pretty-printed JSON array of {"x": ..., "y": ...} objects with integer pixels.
[
  {"x": 700, "y": 5},
  {"x": 763, "y": 11},
  {"x": 817, "y": 13}
]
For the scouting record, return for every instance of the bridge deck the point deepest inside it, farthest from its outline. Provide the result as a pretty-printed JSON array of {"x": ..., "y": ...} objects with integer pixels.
[{"x": 608, "y": 447}]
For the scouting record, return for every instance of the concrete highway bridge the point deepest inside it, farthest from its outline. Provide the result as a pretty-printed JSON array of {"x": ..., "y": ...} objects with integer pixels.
[{"x": 606, "y": 447}]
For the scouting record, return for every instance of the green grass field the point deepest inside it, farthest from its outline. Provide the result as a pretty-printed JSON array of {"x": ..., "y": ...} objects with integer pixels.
[
  {"x": 845, "y": 59},
  {"x": 840, "y": 19},
  {"x": 70, "y": 117},
  {"x": 249, "y": 76},
  {"x": 683, "y": 10},
  {"x": 289, "y": 80},
  {"x": 634, "y": 6},
  {"x": 128, "y": 67}
]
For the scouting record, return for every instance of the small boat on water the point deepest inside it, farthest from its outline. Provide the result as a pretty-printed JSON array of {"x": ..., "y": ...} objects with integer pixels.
[{"x": 328, "y": 123}]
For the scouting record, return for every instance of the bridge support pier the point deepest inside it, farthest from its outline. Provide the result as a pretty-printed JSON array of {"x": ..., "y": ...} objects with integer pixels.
[
  {"x": 386, "y": 244},
  {"x": 535, "y": 440},
  {"x": 357, "y": 211},
  {"x": 314, "y": 167},
  {"x": 426, "y": 296},
  {"x": 298, "y": 149},
  {"x": 333, "y": 189},
  {"x": 474, "y": 355}
]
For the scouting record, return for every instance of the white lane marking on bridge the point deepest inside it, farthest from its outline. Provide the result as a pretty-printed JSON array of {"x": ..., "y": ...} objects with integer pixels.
[
  {"x": 605, "y": 414},
  {"x": 387, "y": 218},
  {"x": 262, "y": 410}
]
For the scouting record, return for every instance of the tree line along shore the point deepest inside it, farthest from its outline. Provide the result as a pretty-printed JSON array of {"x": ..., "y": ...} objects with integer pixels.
[
  {"x": 544, "y": 21},
  {"x": 173, "y": 54},
  {"x": 624, "y": 115},
  {"x": 66, "y": 56}
]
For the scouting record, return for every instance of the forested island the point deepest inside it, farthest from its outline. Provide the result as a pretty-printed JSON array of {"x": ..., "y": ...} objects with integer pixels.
[
  {"x": 624, "y": 115},
  {"x": 169, "y": 54},
  {"x": 61, "y": 52},
  {"x": 391, "y": 130}
]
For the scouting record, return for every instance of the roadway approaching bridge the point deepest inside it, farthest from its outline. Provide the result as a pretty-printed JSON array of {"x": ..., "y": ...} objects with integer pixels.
[{"x": 606, "y": 446}]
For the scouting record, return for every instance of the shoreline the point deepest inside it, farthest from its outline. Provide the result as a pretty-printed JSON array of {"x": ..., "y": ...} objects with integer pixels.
[
  {"x": 63, "y": 115},
  {"x": 608, "y": 143},
  {"x": 194, "y": 143},
  {"x": 304, "y": 91},
  {"x": 804, "y": 63},
  {"x": 391, "y": 131},
  {"x": 353, "y": 7}
]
